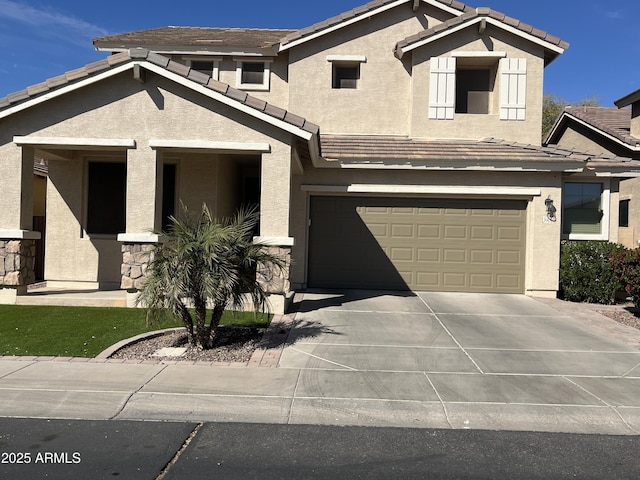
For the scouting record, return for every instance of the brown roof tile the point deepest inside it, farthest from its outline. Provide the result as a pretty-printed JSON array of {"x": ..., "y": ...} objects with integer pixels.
[
  {"x": 481, "y": 12},
  {"x": 375, "y": 149},
  {"x": 614, "y": 121},
  {"x": 194, "y": 36}
]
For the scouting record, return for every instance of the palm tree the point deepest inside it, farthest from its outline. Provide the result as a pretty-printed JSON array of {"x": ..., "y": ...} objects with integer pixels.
[{"x": 205, "y": 264}]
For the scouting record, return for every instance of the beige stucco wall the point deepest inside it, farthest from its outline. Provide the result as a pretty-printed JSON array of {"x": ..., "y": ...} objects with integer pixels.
[
  {"x": 122, "y": 108},
  {"x": 543, "y": 238},
  {"x": 382, "y": 102}
]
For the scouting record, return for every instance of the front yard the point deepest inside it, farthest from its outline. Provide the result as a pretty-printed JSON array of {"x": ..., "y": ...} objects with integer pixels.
[{"x": 83, "y": 331}]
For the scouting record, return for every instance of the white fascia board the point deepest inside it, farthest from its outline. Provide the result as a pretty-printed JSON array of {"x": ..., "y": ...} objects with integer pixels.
[
  {"x": 634, "y": 148},
  {"x": 19, "y": 235},
  {"x": 425, "y": 190},
  {"x": 74, "y": 143},
  {"x": 347, "y": 58},
  {"x": 478, "y": 54},
  {"x": 338, "y": 26},
  {"x": 66, "y": 89},
  {"x": 227, "y": 101},
  {"x": 275, "y": 241},
  {"x": 145, "y": 237},
  {"x": 441, "y": 6},
  {"x": 206, "y": 145},
  {"x": 476, "y": 20}
]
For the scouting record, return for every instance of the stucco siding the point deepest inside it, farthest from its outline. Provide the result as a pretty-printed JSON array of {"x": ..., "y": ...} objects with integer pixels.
[{"x": 382, "y": 102}]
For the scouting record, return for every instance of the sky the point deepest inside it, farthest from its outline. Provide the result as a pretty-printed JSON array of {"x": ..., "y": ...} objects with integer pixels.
[{"x": 40, "y": 39}]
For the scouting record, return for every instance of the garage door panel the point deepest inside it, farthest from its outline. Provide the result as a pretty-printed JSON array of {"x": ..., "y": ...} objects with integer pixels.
[{"x": 419, "y": 244}]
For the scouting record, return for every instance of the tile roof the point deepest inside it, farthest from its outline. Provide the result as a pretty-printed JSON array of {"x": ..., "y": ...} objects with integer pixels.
[
  {"x": 375, "y": 149},
  {"x": 616, "y": 122},
  {"x": 358, "y": 12},
  {"x": 40, "y": 166},
  {"x": 138, "y": 54},
  {"x": 472, "y": 14},
  {"x": 202, "y": 37}
]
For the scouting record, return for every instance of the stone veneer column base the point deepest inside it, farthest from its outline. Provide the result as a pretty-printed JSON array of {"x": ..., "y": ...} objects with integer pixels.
[
  {"x": 17, "y": 262},
  {"x": 135, "y": 258},
  {"x": 276, "y": 283}
]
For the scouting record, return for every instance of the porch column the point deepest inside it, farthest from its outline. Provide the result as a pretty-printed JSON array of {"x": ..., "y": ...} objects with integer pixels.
[
  {"x": 275, "y": 204},
  {"x": 17, "y": 240},
  {"x": 144, "y": 209}
]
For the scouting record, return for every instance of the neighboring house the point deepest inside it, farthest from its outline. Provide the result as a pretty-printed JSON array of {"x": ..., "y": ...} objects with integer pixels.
[
  {"x": 614, "y": 133},
  {"x": 396, "y": 146}
]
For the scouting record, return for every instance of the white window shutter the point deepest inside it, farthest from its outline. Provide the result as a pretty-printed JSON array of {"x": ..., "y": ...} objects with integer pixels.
[
  {"x": 442, "y": 88},
  {"x": 513, "y": 88}
]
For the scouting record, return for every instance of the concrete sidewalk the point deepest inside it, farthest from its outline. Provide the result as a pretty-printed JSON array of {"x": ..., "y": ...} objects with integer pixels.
[{"x": 430, "y": 360}]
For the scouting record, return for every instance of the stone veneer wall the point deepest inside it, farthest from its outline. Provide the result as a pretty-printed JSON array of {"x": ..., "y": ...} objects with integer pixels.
[
  {"x": 17, "y": 262},
  {"x": 276, "y": 282},
  {"x": 135, "y": 258}
]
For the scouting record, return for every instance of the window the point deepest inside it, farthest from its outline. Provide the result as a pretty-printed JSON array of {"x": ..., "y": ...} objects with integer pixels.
[
  {"x": 345, "y": 70},
  {"x": 584, "y": 207},
  {"x": 206, "y": 66},
  {"x": 106, "y": 198},
  {"x": 472, "y": 91},
  {"x": 623, "y": 213},
  {"x": 345, "y": 76},
  {"x": 470, "y": 82},
  {"x": 252, "y": 75},
  {"x": 168, "y": 194}
]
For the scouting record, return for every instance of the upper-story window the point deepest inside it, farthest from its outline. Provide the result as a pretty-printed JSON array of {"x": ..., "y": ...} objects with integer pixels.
[
  {"x": 473, "y": 90},
  {"x": 205, "y": 65},
  {"x": 478, "y": 83},
  {"x": 345, "y": 70},
  {"x": 252, "y": 74}
]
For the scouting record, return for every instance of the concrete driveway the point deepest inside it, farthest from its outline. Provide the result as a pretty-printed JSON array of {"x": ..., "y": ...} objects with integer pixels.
[{"x": 485, "y": 361}]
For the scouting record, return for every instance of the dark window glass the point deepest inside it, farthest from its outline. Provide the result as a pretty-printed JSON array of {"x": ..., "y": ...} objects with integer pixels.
[
  {"x": 106, "y": 202},
  {"x": 252, "y": 73},
  {"x": 202, "y": 66},
  {"x": 582, "y": 213},
  {"x": 623, "y": 213},
  {"x": 168, "y": 194},
  {"x": 472, "y": 91},
  {"x": 346, "y": 76}
]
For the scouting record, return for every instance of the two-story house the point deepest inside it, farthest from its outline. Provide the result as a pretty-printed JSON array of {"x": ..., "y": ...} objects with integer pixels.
[
  {"x": 395, "y": 146},
  {"x": 613, "y": 132}
]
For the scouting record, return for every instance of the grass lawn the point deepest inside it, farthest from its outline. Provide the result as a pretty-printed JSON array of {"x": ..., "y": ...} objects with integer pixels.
[{"x": 84, "y": 331}]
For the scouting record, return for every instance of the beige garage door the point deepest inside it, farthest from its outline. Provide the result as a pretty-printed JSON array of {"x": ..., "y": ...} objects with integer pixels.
[{"x": 417, "y": 244}]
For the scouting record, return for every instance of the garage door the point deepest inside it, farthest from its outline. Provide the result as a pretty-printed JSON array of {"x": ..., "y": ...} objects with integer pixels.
[{"x": 417, "y": 244}]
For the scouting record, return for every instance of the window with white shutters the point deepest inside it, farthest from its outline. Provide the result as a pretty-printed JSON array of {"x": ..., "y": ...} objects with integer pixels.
[
  {"x": 513, "y": 88},
  {"x": 442, "y": 89}
]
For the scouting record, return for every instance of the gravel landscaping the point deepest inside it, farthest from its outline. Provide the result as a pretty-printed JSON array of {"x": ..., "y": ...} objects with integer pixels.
[{"x": 233, "y": 344}]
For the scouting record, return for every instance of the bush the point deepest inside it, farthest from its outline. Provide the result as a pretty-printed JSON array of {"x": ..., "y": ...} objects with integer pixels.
[
  {"x": 626, "y": 266},
  {"x": 586, "y": 272}
]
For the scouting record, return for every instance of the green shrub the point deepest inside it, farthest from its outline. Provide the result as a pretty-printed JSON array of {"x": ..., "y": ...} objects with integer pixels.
[
  {"x": 587, "y": 274},
  {"x": 626, "y": 266}
]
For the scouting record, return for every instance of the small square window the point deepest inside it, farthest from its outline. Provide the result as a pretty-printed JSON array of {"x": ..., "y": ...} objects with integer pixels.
[
  {"x": 623, "y": 213},
  {"x": 203, "y": 66},
  {"x": 345, "y": 76},
  {"x": 252, "y": 73}
]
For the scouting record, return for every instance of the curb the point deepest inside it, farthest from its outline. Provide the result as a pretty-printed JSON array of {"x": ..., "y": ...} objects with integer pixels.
[{"x": 105, "y": 354}]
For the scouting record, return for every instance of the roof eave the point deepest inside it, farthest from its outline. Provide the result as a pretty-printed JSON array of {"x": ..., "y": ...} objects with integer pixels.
[
  {"x": 552, "y": 51},
  {"x": 627, "y": 100}
]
